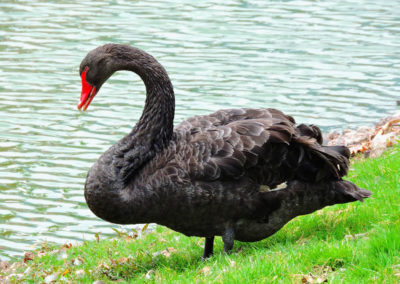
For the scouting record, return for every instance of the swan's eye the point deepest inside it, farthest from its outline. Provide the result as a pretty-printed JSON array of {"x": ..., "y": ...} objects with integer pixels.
[{"x": 83, "y": 70}]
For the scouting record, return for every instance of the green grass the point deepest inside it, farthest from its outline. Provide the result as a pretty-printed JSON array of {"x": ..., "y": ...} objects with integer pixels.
[{"x": 349, "y": 243}]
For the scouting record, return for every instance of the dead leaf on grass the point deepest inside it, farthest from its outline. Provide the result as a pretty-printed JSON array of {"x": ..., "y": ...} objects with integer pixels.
[
  {"x": 325, "y": 269},
  {"x": 18, "y": 276},
  {"x": 29, "y": 256},
  {"x": 67, "y": 246},
  {"x": 319, "y": 275},
  {"x": 168, "y": 251},
  {"x": 77, "y": 261},
  {"x": 149, "y": 274},
  {"x": 80, "y": 272},
  {"x": 310, "y": 278},
  {"x": 16, "y": 265},
  {"x": 4, "y": 265},
  {"x": 41, "y": 253},
  {"x": 302, "y": 241},
  {"x": 51, "y": 278},
  {"x": 123, "y": 260},
  {"x": 103, "y": 265},
  {"x": 113, "y": 262},
  {"x": 354, "y": 236},
  {"x": 205, "y": 270},
  {"x": 130, "y": 238},
  {"x": 62, "y": 254},
  {"x": 28, "y": 270}
]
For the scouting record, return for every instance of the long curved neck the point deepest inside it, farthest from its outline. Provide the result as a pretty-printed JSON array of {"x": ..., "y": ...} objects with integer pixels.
[
  {"x": 155, "y": 127},
  {"x": 156, "y": 123},
  {"x": 110, "y": 189}
]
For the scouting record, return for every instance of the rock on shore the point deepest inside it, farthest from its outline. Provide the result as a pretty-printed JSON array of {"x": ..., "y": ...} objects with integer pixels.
[{"x": 371, "y": 141}]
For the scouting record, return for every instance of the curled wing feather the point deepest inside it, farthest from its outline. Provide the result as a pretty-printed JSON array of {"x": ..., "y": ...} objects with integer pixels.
[{"x": 229, "y": 143}]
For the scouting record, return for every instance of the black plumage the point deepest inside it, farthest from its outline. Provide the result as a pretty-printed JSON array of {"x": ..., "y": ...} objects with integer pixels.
[{"x": 212, "y": 175}]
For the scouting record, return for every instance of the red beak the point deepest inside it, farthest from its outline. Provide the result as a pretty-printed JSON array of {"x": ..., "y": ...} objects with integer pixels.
[{"x": 88, "y": 92}]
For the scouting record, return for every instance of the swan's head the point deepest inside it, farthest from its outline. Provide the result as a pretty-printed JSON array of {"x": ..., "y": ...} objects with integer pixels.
[
  {"x": 100, "y": 63},
  {"x": 95, "y": 69}
]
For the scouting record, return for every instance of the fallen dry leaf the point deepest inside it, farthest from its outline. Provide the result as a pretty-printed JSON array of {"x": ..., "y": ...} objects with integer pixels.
[
  {"x": 113, "y": 262},
  {"x": 51, "y": 278},
  {"x": 16, "y": 265},
  {"x": 28, "y": 270},
  {"x": 130, "y": 238},
  {"x": 29, "y": 256},
  {"x": 149, "y": 274},
  {"x": 4, "y": 265},
  {"x": 168, "y": 251},
  {"x": 66, "y": 272},
  {"x": 77, "y": 261},
  {"x": 41, "y": 253},
  {"x": 123, "y": 260},
  {"x": 354, "y": 236},
  {"x": 67, "y": 246},
  {"x": 310, "y": 278},
  {"x": 17, "y": 276},
  {"x": 103, "y": 265},
  {"x": 205, "y": 270},
  {"x": 302, "y": 241},
  {"x": 62, "y": 254},
  {"x": 319, "y": 275},
  {"x": 80, "y": 272}
]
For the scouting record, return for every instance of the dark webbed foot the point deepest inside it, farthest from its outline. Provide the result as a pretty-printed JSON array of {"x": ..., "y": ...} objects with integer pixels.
[
  {"x": 208, "y": 248},
  {"x": 228, "y": 238}
]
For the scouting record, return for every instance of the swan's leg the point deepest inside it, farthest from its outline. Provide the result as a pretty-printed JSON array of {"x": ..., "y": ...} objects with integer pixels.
[
  {"x": 228, "y": 238},
  {"x": 208, "y": 248}
]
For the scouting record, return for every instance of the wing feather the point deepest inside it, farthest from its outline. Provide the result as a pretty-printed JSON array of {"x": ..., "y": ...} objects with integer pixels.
[
  {"x": 238, "y": 139},
  {"x": 264, "y": 145}
]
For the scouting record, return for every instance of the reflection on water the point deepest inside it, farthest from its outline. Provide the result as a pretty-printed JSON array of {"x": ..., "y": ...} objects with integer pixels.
[{"x": 333, "y": 64}]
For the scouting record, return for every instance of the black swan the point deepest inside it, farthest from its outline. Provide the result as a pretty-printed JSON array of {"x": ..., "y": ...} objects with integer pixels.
[{"x": 212, "y": 175}]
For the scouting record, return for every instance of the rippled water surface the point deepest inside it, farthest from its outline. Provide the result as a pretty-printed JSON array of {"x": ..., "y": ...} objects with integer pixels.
[{"x": 332, "y": 63}]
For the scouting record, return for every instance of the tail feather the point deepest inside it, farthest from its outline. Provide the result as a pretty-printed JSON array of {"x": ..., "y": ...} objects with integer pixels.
[
  {"x": 343, "y": 150},
  {"x": 350, "y": 192},
  {"x": 321, "y": 162},
  {"x": 300, "y": 198},
  {"x": 317, "y": 162}
]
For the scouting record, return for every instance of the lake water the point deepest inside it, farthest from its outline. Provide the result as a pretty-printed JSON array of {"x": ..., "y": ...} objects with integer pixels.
[{"x": 332, "y": 63}]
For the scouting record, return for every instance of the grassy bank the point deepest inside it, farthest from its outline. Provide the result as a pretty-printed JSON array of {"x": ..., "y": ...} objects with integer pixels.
[{"x": 350, "y": 243}]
